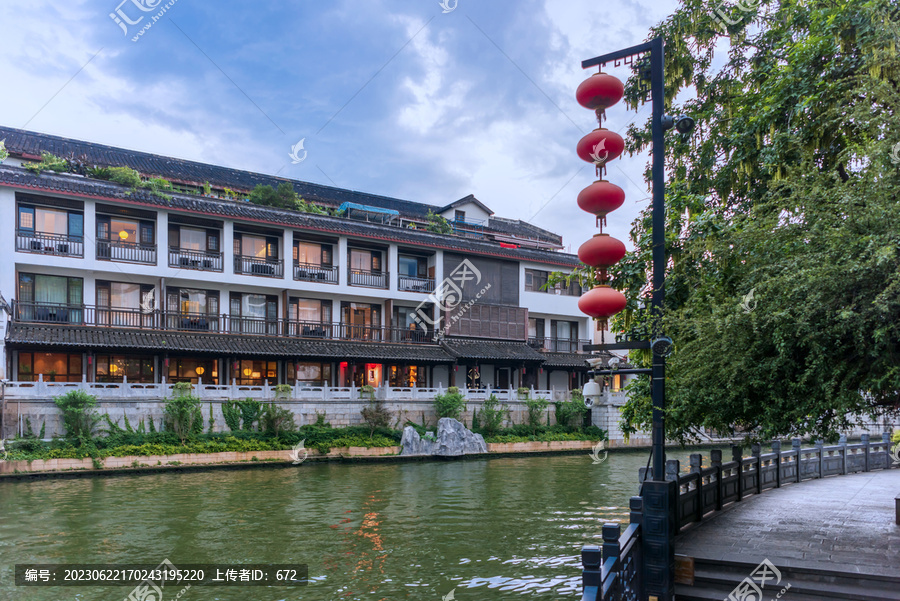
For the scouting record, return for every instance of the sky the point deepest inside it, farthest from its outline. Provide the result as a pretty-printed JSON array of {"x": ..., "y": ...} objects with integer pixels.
[{"x": 414, "y": 100}]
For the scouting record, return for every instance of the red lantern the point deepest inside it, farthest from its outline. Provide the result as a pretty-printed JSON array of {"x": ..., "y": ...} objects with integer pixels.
[
  {"x": 601, "y": 197},
  {"x": 600, "y": 146},
  {"x": 599, "y": 92},
  {"x": 601, "y": 251},
  {"x": 601, "y": 303}
]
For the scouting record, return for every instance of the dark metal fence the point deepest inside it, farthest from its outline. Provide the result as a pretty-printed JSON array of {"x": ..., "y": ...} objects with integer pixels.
[
  {"x": 309, "y": 272},
  {"x": 369, "y": 279},
  {"x": 49, "y": 244},
  {"x": 127, "y": 252},
  {"x": 408, "y": 283},
  {"x": 557, "y": 345},
  {"x": 614, "y": 573},
  {"x": 269, "y": 268},
  {"x": 195, "y": 259}
]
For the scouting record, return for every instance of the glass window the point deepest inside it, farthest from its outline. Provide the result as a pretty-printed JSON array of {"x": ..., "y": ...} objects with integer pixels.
[
  {"x": 253, "y": 305},
  {"x": 305, "y": 309},
  {"x": 125, "y": 296},
  {"x": 51, "y": 221},
  {"x": 193, "y": 301},
  {"x": 306, "y": 252},
  {"x": 409, "y": 266},
  {"x": 124, "y": 230},
  {"x": 55, "y": 367},
  {"x": 311, "y": 374},
  {"x": 26, "y": 218},
  {"x": 51, "y": 289},
  {"x": 114, "y": 368},
  {"x": 192, "y": 239},
  {"x": 255, "y": 373},
  {"x": 193, "y": 370},
  {"x": 253, "y": 246},
  {"x": 361, "y": 260},
  {"x": 535, "y": 280}
]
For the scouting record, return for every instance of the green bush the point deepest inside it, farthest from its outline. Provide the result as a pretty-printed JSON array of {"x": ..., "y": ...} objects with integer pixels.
[
  {"x": 536, "y": 408},
  {"x": 79, "y": 417},
  {"x": 376, "y": 415},
  {"x": 125, "y": 176},
  {"x": 571, "y": 413},
  {"x": 450, "y": 404},
  {"x": 231, "y": 412},
  {"x": 250, "y": 412},
  {"x": 184, "y": 417},
  {"x": 490, "y": 418},
  {"x": 276, "y": 420}
]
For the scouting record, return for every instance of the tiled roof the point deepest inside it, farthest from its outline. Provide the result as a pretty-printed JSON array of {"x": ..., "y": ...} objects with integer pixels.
[
  {"x": 68, "y": 184},
  {"x": 34, "y": 335},
  {"x": 21, "y": 142},
  {"x": 464, "y": 201},
  {"x": 491, "y": 350}
]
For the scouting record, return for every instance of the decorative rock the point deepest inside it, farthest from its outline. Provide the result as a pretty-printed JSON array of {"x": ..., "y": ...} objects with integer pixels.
[{"x": 453, "y": 439}]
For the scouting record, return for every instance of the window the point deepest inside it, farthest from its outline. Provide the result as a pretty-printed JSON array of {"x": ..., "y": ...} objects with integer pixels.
[
  {"x": 254, "y": 313},
  {"x": 114, "y": 368},
  {"x": 193, "y": 370},
  {"x": 310, "y": 374},
  {"x": 55, "y": 367},
  {"x": 125, "y": 304},
  {"x": 361, "y": 321},
  {"x": 536, "y": 330},
  {"x": 51, "y": 221},
  {"x": 406, "y": 376},
  {"x": 310, "y": 310},
  {"x": 258, "y": 247},
  {"x": 459, "y": 215},
  {"x": 193, "y": 239},
  {"x": 535, "y": 280},
  {"x": 309, "y": 253},
  {"x": 414, "y": 267},
  {"x": 248, "y": 372},
  {"x": 126, "y": 231},
  {"x": 190, "y": 300},
  {"x": 50, "y": 289},
  {"x": 564, "y": 335},
  {"x": 365, "y": 260}
]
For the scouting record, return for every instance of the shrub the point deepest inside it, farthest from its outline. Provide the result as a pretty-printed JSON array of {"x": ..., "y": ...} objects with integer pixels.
[
  {"x": 283, "y": 390},
  {"x": 183, "y": 417},
  {"x": 79, "y": 417},
  {"x": 536, "y": 408},
  {"x": 376, "y": 415},
  {"x": 523, "y": 391},
  {"x": 250, "y": 412},
  {"x": 367, "y": 391},
  {"x": 490, "y": 418},
  {"x": 125, "y": 176},
  {"x": 276, "y": 420},
  {"x": 571, "y": 413},
  {"x": 231, "y": 411},
  {"x": 449, "y": 404}
]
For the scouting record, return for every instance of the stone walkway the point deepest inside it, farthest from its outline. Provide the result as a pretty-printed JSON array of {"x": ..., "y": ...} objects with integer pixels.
[{"x": 842, "y": 523}]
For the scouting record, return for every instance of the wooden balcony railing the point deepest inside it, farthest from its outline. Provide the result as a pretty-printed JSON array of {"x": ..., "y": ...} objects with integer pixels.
[
  {"x": 308, "y": 272},
  {"x": 408, "y": 283},
  {"x": 124, "y": 317},
  {"x": 368, "y": 279},
  {"x": 126, "y": 252},
  {"x": 268, "y": 268},
  {"x": 194, "y": 259},
  {"x": 557, "y": 345},
  {"x": 49, "y": 244}
]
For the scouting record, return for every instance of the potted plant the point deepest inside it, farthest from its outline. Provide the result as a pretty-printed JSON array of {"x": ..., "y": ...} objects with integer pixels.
[
  {"x": 367, "y": 391},
  {"x": 523, "y": 392},
  {"x": 283, "y": 391}
]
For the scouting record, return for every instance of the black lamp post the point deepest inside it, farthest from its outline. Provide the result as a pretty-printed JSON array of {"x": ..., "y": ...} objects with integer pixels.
[{"x": 659, "y": 520}]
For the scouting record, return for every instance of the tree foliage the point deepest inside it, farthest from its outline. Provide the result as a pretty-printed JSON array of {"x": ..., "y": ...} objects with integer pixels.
[{"x": 786, "y": 189}]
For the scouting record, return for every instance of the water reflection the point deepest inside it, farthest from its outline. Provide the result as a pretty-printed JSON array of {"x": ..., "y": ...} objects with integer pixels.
[{"x": 513, "y": 527}]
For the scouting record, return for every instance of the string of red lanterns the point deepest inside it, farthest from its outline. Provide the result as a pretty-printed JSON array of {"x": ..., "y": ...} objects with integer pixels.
[{"x": 599, "y": 92}]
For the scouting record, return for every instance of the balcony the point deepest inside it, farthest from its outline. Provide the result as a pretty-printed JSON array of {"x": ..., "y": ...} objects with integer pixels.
[
  {"x": 267, "y": 268},
  {"x": 368, "y": 279},
  {"x": 49, "y": 244},
  {"x": 195, "y": 259},
  {"x": 309, "y": 272},
  {"x": 407, "y": 283},
  {"x": 557, "y": 345},
  {"x": 114, "y": 317},
  {"x": 126, "y": 252}
]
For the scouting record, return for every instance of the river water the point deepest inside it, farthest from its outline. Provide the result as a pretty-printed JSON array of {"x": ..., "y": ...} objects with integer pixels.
[{"x": 502, "y": 528}]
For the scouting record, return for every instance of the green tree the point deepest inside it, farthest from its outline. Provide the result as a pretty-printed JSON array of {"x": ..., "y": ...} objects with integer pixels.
[{"x": 786, "y": 189}]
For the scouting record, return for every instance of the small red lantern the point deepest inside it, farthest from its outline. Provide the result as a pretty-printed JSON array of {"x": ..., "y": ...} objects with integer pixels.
[
  {"x": 601, "y": 251},
  {"x": 600, "y": 198},
  {"x": 601, "y": 303},
  {"x": 600, "y": 91},
  {"x": 600, "y": 146}
]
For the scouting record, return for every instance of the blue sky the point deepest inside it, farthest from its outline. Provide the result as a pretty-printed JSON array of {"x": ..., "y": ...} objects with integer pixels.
[{"x": 393, "y": 98}]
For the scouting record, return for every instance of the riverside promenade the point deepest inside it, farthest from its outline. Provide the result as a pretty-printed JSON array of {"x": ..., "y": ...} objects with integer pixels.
[{"x": 832, "y": 538}]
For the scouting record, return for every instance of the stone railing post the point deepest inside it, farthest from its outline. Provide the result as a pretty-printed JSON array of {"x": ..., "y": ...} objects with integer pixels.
[
  {"x": 776, "y": 448},
  {"x": 842, "y": 441},
  {"x": 864, "y": 438},
  {"x": 697, "y": 468},
  {"x": 820, "y": 447},
  {"x": 715, "y": 458},
  {"x": 636, "y": 506},
  {"x": 889, "y": 455},
  {"x": 795, "y": 447},
  {"x": 611, "y": 549},
  {"x": 737, "y": 454}
]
